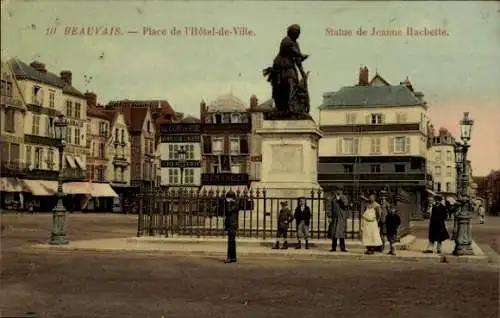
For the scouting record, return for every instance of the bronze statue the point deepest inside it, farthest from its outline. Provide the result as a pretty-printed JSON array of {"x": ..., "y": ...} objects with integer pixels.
[{"x": 290, "y": 94}]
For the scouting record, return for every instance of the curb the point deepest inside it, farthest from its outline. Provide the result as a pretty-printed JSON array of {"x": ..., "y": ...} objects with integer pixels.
[{"x": 301, "y": 256}]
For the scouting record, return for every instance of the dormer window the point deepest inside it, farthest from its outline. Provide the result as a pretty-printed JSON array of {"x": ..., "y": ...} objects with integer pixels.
[
  {"x": 218, "y": 118},
  {"x": 226, "y": 118},
  {"x": 149, "y": 126},
  {"x": 376, "y": 119},
  {"x": 235, "y": 118}
]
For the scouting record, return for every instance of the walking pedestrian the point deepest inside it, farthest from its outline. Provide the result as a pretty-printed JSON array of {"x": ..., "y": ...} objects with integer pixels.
[
  {"x": 481, "y": 212},
  {"x": 392, "y": 223},
  {"x": 369, "y": 226},
  {"x": 285, "y": 217},
  {"x": 302, "y": 219},
  {"x": 231, "y": 225},
  {"x": 384, "y": 210},
  {"x": 437, "y": 226},
  {"x": 338, "y": 220}
]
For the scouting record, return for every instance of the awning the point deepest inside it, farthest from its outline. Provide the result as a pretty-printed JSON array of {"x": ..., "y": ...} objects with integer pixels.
[
  {"x": 41, "y": 187},
  {"x": 102, "y": 190},
  {"x": 71, "y": 161},
  {"x": 77, "y": 188},
  {"x": 80, "y": 163},
  {"x": 224, "y": 189},
  {"x": 431, "y": 192},
  {"x": 10, "y": 185}
]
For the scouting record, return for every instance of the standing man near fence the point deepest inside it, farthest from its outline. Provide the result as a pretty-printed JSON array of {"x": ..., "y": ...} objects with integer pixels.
[
  {"x": 302, "y": 219},
  {"x": 231, "y": 225},
  {"x": 384, "y": 210},
  {"x": 338, "y": 219}
]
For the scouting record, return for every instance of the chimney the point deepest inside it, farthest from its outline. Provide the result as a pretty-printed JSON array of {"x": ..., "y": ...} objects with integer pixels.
[
  {"x": 363, "y": 76},
  {"x": 66, "y": 76},
  {"x": 203, "y": 110},
  {"x": 91, "y": 99},
  {"x": 40, "y": 67},
  {"x": 253, "y": 101}
]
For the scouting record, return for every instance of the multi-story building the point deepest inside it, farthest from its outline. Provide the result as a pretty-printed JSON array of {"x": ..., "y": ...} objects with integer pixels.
[
  {"x": 257, "y": 113},
  {"x": 375, "y": 137},
  {"x": 48, "y": 95},
  {"x": 226, "y": 130},
  {"x": 182, "y": 136},
  {"x": 12, "y": 112},
  {"x": 441, "y": 159}
]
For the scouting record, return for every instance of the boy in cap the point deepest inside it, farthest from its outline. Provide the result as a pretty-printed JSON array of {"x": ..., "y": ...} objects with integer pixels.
[
  {"x": 302, "y": 218},
  {"x": 285, "y": 217},
  {"x": 392, "y": 222}
]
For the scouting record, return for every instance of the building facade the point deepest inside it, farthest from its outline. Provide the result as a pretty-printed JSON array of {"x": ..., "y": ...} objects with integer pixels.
[
  {"x": 184, "y": 135},
  {"x": 46, "y": 96},
  {"x": 441, "y": 159},
  {"x": 226, "y": 131},
  {"x": 375, "y": 137},
  {"x": 257, "y": 115},
  {"x": 12, "y": 112}
]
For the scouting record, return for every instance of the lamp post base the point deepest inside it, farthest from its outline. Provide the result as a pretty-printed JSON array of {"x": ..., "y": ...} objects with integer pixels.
[
  {"x": 463, "y": 235},
  {"x": 461, "y": 250},
  {"x": 59, "y": 235}
]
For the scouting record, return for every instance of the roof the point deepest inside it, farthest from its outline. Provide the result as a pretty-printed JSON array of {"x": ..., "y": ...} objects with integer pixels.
[
  {"x": 366, "y": 96},
  {"x": 190, "y": 120},
  {"x": 24, "y": 71},
  {"x": 135, "y": 118},
  {"x": 94, "y": 112},
  {"x": 226, "y": 103},
  {"x": 379, "y": 78},
  {"x": 266, "y": 106},
  {"x": 155, "y": 104}
]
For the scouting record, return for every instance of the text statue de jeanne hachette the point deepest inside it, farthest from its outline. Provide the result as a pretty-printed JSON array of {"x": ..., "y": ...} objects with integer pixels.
[{"x": 290, "y": 94}]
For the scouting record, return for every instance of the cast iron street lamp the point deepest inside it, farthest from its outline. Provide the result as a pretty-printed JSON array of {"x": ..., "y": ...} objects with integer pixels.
[
  {"x": 463, "y": 236},
  {"x": 59, "y": 234},
  {"x": 181, "y": 153}
]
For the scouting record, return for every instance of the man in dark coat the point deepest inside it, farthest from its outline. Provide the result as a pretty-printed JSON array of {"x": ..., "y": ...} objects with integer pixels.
[
  {"x": 302, "y": 219},
  {"x": 385, "y": 206},
  {"x": 338, "y": 218},
  {"x": 437, "y": 226},
  {"x": 231, "y": 225},
  {"x": 392, "y": 222}
]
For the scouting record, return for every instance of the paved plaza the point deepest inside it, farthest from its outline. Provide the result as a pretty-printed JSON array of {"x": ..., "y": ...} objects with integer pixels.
[{"x": 120, "y": 281}]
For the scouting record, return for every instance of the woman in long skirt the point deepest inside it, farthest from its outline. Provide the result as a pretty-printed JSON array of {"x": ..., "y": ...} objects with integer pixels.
[{"x": 369, "y": 226}]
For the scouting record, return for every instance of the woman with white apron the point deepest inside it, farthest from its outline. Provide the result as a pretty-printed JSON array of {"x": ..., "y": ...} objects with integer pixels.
[{"x": 370, "y": 233}]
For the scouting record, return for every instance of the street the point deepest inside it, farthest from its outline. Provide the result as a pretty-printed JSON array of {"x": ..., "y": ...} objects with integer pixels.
[{"x": 83, "y": 284}]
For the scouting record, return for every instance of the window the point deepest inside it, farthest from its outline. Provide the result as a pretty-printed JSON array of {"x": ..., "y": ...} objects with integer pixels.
[
  {"x": 243, "y": 145},
  {"x": 151, "y": 147},
  {"x": 376, "y": 119},
  {"x": 123, "y": 136},
  {"x": 50, "y": 159},
  {"x": 217, "y": 145},
  {"x": 47, "y": 127},
  {"x": 226, "y": 118},
  {"x": 52, "y": 102},
  {"x": 103, "y": 129},
  {"x": 6, "y": 88},
  {"x": 207, "y": 144},
  {"x": 102, "y": 150},
  {"x": 235, "y": 145},
  {"x": 28, "y": 156},
  {"x": 375, "y": 145},
  {"x": 225, "y": 163},
  {"x": 188, "y": 176},
  {"x": 69, "y": 108},
  {"x": 78, "y": 109},
  {"x": 350, "y": 118},
  {"x": 9, "y": 120},
  {"x": 146, "y": 146},
  {"x": 349, "y": 146},
  {"x": 438, "y": 187},
  {"x": 69, "y": 135},
  {"x": 215, "y": 168},
  {"x": 35, "y": 128},
  {"x": 172, "y": 152},
  {"x": 348, "y": 169},
  {"x": 399, "y": 168},
  {"x": 38, "y": 158},
  {"x": 448, "y": 171},
  {"x": 149, "y": 126},
  {"x": 438, "y": 155},
  {"x": 116, "y": 135},
  {"x": 400, "y": 118},
  {"x": 449, "y": 155},
  {"x": 448, "y": 187},
  {"x": 235, "y": 118},
  {"x": 375, "y": 168},
  {"x": 218, "y": 119},
  {"x": 173, "y": 176},
  {"x": 437, "y": 171},
  {"x": 100, "y": 173},
  {"x": 400, "y": 144},
  {"x": 36, "y": 95},
  {"x": 15, "y": 153},
  {"x": 189, "y": 152},
  {"x": 77, "y": 136}
]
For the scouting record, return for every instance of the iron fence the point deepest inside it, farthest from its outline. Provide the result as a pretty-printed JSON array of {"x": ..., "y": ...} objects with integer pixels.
[{"x": 201, "y": 214}]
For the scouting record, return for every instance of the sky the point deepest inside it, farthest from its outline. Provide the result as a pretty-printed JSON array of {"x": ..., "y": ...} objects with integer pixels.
[{"x": 457, "y": 73}]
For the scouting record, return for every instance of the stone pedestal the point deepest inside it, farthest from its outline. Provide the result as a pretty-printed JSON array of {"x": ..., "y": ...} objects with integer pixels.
[{"x": 289, "y": 167}]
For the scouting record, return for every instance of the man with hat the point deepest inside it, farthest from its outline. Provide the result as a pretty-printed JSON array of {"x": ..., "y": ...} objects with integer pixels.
[
  {"x": 285, "y": 217},
  {"x": 231, "y": 225},
  {"x": 384, "y": 211},
  {"x": 437, "y": 225},
  {"x": 338, "y": 219}
]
